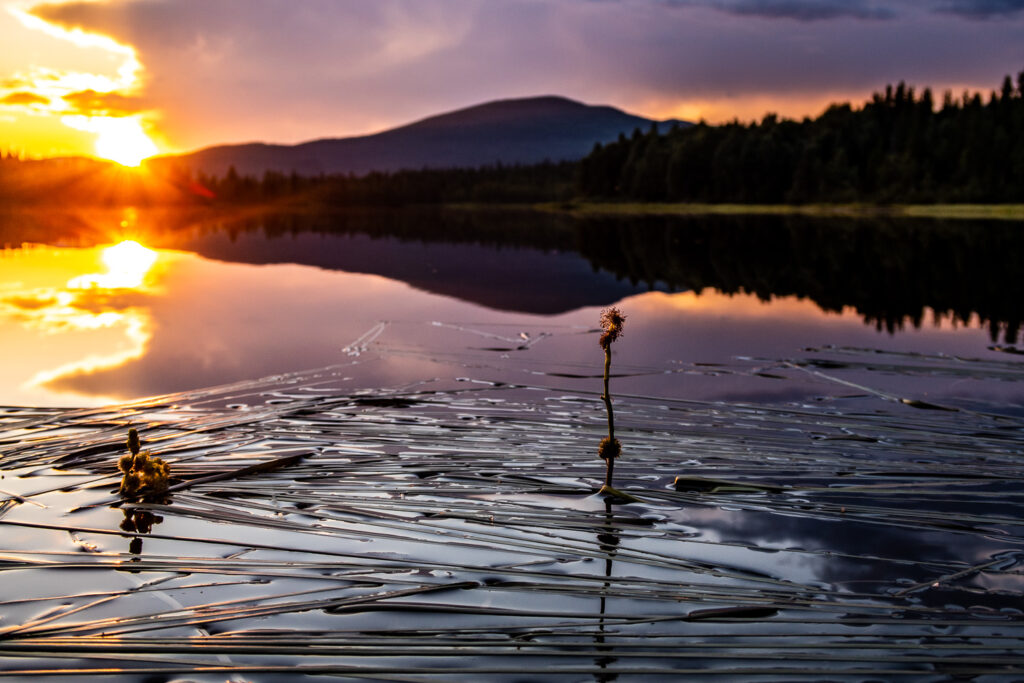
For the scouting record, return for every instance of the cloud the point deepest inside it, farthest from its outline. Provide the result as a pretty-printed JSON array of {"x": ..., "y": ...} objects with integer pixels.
[
  {"x": 93, "y": 103},
  {"x": 800, "y": 10},
  {"x": 220, "y": 71},
  {"x": 24, "y": 99},
  {"x": 29, "y": 303},
  {"x": 982, "y": 9}
]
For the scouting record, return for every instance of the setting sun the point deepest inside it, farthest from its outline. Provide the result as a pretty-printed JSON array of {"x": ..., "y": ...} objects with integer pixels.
[
  {"x": 118, "y": 138},
  {"x": 121, "y": 139}
]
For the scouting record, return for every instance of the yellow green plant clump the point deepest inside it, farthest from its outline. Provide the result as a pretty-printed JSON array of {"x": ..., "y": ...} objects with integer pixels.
[{"x": 144, "y": 473}]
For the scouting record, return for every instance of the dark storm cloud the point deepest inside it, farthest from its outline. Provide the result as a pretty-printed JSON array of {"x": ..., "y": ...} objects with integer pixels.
[{"x": 982, "y": 9}]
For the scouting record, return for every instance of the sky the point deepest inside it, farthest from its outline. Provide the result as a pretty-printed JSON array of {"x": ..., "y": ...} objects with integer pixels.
[{"x": 124, "y": 79}]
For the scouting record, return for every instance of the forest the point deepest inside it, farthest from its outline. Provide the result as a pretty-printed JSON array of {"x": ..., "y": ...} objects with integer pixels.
[{"x": 899, "y": 147}]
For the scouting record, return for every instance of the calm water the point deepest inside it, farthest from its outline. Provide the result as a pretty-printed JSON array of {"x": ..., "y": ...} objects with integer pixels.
[
  {"x": 718, "y": 308},
  {"x": 858, "y": 386}
]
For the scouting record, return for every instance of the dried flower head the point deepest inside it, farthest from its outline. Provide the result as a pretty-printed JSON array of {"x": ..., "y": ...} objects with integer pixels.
[{"x": 612, "y": 320}]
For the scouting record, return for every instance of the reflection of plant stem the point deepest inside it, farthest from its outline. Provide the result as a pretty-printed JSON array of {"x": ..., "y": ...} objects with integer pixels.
[
  {"x": 139, "y": 522},
  {"x": 608, "y": 542},
  {"x": 612, "y": 321}
]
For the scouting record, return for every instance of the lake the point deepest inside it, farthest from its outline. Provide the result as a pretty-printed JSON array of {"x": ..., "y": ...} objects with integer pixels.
[
  {"x": 382, "y": 428},
  {"x": 716, "y": 305}
]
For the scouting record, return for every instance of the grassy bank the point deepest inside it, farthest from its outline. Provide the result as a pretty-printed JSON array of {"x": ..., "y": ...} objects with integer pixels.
[{"x": 1013, "y": 212}]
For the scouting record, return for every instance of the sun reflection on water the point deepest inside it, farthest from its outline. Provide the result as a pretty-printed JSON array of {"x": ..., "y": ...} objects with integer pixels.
[
  {"x": 69, "y": 324},
  {"x": 127, "y": 265}
]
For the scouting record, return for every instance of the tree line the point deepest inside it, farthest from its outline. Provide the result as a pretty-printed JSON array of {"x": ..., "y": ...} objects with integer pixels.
[
  {"x": 497, "y": 184},
  {"x": 899, "y": 147}
]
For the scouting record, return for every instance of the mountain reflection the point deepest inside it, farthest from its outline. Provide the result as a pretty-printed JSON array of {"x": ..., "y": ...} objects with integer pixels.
[
  {"x": 218, "y": 299},
  {"x": 890, "y": 270}
]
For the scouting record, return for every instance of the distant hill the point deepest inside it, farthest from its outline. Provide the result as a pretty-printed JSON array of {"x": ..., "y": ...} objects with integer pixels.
[{"x": 517, "y": 131}]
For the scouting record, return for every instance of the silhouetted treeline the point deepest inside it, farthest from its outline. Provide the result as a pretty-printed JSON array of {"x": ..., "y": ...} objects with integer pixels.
[
  {"x": 90, "y": 182},
  {"x": 81, "y": 181},
  {"x": 899, "y": 147},
  {"x": 490, "y": 184}
]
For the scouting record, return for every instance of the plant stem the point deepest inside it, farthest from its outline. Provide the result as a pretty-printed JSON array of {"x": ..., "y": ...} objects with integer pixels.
[{"x": 609, "y": 462}]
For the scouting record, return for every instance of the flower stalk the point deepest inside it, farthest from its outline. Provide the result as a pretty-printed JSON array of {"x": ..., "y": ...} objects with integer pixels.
[{"x": 612, "y": 321}]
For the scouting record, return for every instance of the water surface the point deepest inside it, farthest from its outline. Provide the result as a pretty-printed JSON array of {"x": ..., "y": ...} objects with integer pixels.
[{"x": 204, "y": 300}]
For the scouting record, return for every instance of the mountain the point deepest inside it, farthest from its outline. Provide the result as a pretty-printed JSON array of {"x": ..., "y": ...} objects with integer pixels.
[{"x": 516, "y": 131}]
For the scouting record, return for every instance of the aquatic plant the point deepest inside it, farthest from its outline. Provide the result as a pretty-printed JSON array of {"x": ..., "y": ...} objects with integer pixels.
[
  {"x": 144, "y": 473},
  {"x": 612, "y": 321}
]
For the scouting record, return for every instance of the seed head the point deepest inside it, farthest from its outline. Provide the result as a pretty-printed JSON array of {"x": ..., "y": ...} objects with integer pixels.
[
  {"x": 612, "y": 320},
  {"x": 609, "y": 449},
  {"x": 134, "y": 445}
]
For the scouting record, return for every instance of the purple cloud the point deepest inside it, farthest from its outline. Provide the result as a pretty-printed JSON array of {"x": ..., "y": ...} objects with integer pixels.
[
  {"x": 982, "y": 9},
  {"x": 800, "y": 10}
]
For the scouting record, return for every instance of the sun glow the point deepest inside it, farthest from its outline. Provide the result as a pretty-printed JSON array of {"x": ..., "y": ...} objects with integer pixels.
[{"x": 119, "y": 139}]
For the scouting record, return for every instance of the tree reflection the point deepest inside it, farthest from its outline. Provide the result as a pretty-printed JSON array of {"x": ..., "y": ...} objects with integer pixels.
[{"x": 891, "y": 270}]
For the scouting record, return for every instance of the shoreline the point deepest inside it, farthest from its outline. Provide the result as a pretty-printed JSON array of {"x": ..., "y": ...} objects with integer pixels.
[
  {"x": 572, "y": 207},
  {"x": 1010, "y": 212}
]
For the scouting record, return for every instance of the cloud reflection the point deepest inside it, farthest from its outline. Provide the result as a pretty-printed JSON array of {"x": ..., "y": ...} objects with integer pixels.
[
  {"x": 89, "y": 326},
  {"x": 90, "y": 321}
]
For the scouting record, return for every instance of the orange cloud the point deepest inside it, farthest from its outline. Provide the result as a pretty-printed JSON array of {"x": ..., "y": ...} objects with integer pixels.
[
  {"x": 23, "y": 98},
  {"x": 29, "y": 303},
  {"x": 93, "y": 103}
]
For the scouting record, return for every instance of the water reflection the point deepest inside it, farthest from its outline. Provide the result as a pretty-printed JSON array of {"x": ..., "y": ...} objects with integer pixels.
[
  {"x": 893, "y": 272},
  {"x": 74, "y": 311},
  {"x": 212, "y": 301},
  {"x": 138, "y": 522},
  {"x": 608, "y": 544}
]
